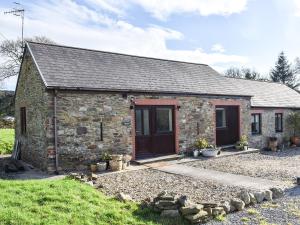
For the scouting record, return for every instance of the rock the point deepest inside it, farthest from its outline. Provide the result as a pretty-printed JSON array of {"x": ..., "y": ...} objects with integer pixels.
[
  {"x": 208, "y": 210},
  {"x": 165, "y": 204},
  {"x": 170, "y": 213},
  {"x": 183, "y": 200},
  {"x": 218, "y": 211},
  {"x": 90, "y": 183},
  {"x": 252, "y": 199},
  {"x": 259, "y": 196},
  {"x": 93, "y": 176},
  {"x": 226, "y": 206},
  {"x": 123, "y": 197},
  {"x": 196, "y": 218},
  {"x": 209, "y": 204},
  {"x": 193, "y": 209},
  {"x": 276, "y": 192},
  {"x": 237, "y": 203},
  {"x": 268, "y": 195},
  {"x": 245, "y": 197},
  {"x": 168, "y": 196}
]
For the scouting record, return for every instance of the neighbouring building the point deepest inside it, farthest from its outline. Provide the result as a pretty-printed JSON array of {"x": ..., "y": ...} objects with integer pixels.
[{"x": 73, "y": 104}]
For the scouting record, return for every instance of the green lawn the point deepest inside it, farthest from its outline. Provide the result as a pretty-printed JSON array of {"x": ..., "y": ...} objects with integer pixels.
[
  {"x": 67, "y": 202},
  {"x": 7, "y": 138}
]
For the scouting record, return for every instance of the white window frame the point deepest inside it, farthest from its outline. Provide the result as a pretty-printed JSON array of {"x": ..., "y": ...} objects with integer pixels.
[{"x": 224, "y": 125}]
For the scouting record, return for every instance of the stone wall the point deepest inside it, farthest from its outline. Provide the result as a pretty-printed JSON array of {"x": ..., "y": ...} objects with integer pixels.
[
  {"x": 31, "y": 94},
  {"x": 268, "y": 127},
  {"x": 79, "y": 117}
]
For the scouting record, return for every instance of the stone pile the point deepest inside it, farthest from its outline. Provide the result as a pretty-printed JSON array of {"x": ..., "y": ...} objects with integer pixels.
[
  {"x": 171, "y": 205},
  {"x": 84, "y": 178}
]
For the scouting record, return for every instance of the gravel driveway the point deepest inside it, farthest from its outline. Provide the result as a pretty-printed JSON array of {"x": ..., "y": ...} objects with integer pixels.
[
  {"x": 284, "y": 166},
  {"x": 284, "y": 211},
  {"x": 141, "y": 184}
]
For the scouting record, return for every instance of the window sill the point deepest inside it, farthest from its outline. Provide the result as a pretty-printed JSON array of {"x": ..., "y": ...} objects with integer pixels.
[{"x": 279, "y": 131}]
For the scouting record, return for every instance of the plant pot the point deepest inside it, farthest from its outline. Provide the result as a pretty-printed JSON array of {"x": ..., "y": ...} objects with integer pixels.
[
  {"x": 116, "y": 157},
  {"x": 195, "y": 153},
  {"x": 93, "y": 168},
  {"x": 116, "y": 165},
  {"x": 210, "y": 152},
  {"x": 295, "y": 140},
  {"x": 101, "y": 166},
  {"x": 124, "y": 165},
  {"x": 245, "y": 147}
]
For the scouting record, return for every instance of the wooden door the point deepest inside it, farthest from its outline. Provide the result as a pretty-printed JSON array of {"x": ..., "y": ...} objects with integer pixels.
[
  {"x": 155, "y": 133},
  {"x": 227, "y": 125}
]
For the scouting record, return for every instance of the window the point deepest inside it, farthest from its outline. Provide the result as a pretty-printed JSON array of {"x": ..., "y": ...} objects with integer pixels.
[
  {"x": 256, "y": 123},
  {"x": 278, "y": 122},
  {"x": 220, "y": 117},
  {"x": 164, "y": 120},
  {"x": 23, "y": 120},
  {"x": 142, "y": 122}
]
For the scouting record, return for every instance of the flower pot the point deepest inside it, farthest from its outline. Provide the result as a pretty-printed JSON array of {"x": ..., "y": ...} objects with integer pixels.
[
  {"x": 101, "y": 166},
  {"x": 196, "y": 153},
  {"x": 117, "y": 157},
  {"x": 210, "y": 152},
  {"x": 245, "y": 147},
  {"x": 273, "y": 145},
  {"x": 295, "y": 140},
  {"x": 93, "y": 168},
  {"x": 116, "y": 165}
]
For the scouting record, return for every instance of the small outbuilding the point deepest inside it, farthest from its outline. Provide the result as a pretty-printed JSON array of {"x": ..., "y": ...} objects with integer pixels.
[{"x": 73, "y": 104}]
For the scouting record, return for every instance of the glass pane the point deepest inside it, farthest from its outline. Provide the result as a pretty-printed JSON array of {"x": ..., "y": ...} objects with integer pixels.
[
  {"x": 164, "y": 120},
  {"x": 146, "y": 121},
  {"x": 138, "y": 122},
  {"x": 220, "y": 118}
]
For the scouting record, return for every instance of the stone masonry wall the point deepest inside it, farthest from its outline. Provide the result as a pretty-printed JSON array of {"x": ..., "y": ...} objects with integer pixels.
[
  {"x": 31, "y": 94},
  {"x": 80, "y": 115},
  {"x": 268, "y": 128}
]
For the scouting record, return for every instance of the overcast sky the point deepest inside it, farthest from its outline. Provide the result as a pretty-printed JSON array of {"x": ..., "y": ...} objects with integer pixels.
[{"x": 221, "y": 33}]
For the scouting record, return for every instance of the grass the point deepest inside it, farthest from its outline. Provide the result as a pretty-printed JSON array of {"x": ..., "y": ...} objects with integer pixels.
[
  {"x": 221, "y": 218},
  {"x": 252, "y": 212},
  {"x": 59, "y": 202},
  {"x": 7, "y": 138}
]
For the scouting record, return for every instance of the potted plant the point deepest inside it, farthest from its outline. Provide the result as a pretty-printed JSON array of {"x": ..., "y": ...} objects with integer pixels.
[
  {"x": 273, "y": 143},
  {"x": 126, "y": 161},
  {"x": 200, "y": 144},
  {"x": 211, "y": 151},
  {"x": 242, "y": 144},
  {"x": 293, "y": 122},
  {"x": 105, "y": 157}
]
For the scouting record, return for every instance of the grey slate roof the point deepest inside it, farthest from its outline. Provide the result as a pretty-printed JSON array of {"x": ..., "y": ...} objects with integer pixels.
[{"x": 69, "y": 67}]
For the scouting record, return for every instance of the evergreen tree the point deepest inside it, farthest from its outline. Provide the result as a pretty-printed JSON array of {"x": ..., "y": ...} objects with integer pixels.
[{"x": 284, "y": 73}]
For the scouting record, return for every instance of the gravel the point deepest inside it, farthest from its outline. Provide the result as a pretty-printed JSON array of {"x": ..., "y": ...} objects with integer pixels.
[
  {"x": 284, "y": 211},
  {"x": 141, "y": 184},
  {"x": 283, "y": 166}
]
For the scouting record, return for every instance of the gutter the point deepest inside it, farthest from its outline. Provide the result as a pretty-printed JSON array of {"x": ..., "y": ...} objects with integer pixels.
[{"x": 55, "y": 132}]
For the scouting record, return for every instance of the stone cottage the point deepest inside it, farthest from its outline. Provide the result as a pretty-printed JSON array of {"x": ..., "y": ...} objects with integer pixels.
[{"x": 73, "y": 104}]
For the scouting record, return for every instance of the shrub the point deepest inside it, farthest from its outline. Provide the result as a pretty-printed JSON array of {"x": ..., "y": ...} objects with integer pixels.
[
  {"x": 7, "y": 137},
  {"x": 6, "y": 147},
  {"x": 201, "y": 143}
]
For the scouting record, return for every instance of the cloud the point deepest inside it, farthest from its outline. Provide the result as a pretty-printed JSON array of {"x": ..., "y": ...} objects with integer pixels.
[
  {"x": 70, "y": 23},
  {"x": 163, "y": 9},
  {"x": 297, "y": 5},
  {"x": 218, "y": 48}
]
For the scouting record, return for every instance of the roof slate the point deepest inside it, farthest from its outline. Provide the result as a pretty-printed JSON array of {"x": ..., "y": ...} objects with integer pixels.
[{"x": 69, "y": 67}]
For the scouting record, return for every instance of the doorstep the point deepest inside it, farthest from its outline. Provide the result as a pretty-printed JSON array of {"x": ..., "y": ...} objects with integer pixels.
[{"x": 158, "y": 159}]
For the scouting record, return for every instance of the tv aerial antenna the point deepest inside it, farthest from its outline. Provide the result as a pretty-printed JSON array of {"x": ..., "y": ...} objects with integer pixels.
[{"x": 18, "y": 11}]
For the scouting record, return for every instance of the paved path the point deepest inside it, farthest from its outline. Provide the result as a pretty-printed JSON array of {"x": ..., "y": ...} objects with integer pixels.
[{"x": 220, "y": 177}]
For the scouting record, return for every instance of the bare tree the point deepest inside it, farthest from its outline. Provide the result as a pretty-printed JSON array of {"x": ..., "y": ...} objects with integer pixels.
[
  {"x": 245, "y": 73},
  {"x": 11, "y": 55}
]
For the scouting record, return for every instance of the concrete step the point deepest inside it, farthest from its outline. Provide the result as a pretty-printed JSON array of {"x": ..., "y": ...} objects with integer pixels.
[{"x": 158, "y": 159}]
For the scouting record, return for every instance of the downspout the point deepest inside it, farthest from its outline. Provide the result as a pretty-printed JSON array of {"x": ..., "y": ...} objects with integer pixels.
[{"x": 55, "y": 133}]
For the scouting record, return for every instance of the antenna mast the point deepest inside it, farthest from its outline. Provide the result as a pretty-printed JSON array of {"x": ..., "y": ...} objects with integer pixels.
[{"x": 19, "y": 11}]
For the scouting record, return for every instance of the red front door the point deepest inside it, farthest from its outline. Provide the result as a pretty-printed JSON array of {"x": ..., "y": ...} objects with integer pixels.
[{"x": 154, "y": 130}]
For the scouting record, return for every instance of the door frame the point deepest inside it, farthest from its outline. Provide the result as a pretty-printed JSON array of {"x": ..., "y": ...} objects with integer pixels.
[
  {"x": 232, "y": 102},
  {"x": 155, "y": 102}
]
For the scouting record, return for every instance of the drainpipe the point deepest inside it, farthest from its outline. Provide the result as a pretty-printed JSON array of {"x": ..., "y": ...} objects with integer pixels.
[{"x": 55, "y": 133}]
